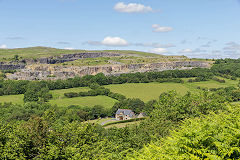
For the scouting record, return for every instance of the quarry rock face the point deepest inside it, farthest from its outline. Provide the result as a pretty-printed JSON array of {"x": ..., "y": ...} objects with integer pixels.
[
  {"x": 71, "y": 57},
  {"x": 50, "y": 67},
  {"x": 53, "y": 72},
  {"x": 54, "y": 60},
  {"x": 11, "y": 66}
]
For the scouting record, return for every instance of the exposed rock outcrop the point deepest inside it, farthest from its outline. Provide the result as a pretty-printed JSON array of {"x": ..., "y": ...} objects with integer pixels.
[
  {"x": 11, "y": 66},
  {"x": 39, "y": 71},
  {"x": 54, "y": 60},
  {"x": 71, "y": 57}
]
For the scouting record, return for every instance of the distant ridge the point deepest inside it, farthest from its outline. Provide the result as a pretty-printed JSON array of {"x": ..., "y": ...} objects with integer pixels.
[{"x": 40, "y": 51}]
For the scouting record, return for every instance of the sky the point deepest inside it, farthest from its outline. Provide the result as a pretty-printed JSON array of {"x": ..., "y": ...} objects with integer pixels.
[{"x": 195, "y": 28}]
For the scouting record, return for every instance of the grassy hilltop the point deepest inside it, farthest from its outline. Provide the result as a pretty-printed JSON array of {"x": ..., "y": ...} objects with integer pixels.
[{"x": 38, "y": 52}]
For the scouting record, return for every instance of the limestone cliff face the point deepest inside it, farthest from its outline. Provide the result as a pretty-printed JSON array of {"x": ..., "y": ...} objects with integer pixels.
[
  {"x": 54, "y": 60},
  {"x": 71, "y": 57},
  {"x": 11, "y": 66},
  {"x": 40, "y": 71}
]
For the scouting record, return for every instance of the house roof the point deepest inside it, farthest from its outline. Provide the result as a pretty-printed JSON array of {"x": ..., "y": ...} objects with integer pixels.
[{"x": 126, "y": 112}]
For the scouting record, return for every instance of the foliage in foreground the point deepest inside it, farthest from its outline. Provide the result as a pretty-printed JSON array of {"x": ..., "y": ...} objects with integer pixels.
[
  {"x": 213, "y": 137},
  {"x": 41, "y": 131}
]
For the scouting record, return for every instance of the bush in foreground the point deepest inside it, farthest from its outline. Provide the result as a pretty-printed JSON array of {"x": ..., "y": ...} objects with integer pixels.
[{"x": 213, "y": 137}]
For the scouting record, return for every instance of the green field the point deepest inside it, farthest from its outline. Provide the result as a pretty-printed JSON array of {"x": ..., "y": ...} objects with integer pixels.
[
  {"x": 215, "y": 84},
  {"x": 16, "y": 99},
  {"x": 148, "y": 91},
  {"x": 58, "y": 94},
  {"x": 60, "y": 100},
  {"x": 85, "y": 101},
  {"x": 143, "y": 91}
]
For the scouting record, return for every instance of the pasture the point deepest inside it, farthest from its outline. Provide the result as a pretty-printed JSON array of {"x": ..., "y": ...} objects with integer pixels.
[
  {"x": 59, "y": 94},
  {"x": 60, "y": 100},
  {"x": 215, "y": 84},
  {"x": 148, "y": 91},
  {"x": 15, "y": 99},
  {"x": 85, "y": 101}
]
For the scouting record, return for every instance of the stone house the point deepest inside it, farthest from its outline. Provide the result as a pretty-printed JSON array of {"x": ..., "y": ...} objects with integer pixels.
[{"x": 124, "y": 114}]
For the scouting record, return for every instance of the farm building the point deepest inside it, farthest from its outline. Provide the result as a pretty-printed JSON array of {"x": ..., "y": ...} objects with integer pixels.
[{"x": 124, "y": 114}]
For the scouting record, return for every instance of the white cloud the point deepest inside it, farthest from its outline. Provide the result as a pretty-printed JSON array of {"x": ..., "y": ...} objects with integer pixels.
[
  {"x": 132, "y": 8},
  {"x": 3, "y": 46},
  {"x": 158, "y": 28},
  {"x": 156, "y": 45},
  {"x": 193, "y": 51},
  {"x": 155, "y": 25},
  {"x": 186, "y": 51},
  {"x": 110, "y": 41},
  {"x": 114, "y": 41},
  {"x": 119, "y": 42},
  {"x": 232, "y": 46},
  {"x": 69, "y": 48},
  {"x": 232, "y": 50},
  {"x": 159, "y": 50}
]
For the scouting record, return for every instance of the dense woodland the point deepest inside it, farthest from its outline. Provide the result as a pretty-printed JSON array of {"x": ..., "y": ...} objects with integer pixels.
[{"x": 202, "y": 125}]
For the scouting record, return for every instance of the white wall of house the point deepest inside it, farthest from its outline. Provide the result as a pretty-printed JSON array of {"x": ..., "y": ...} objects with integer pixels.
[{"x": 124, "y": 117}]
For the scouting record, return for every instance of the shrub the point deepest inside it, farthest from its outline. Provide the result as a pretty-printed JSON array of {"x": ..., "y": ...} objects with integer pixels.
[
  {"x": 218, "y": 80},
  {"x": 71, "y": 94}
]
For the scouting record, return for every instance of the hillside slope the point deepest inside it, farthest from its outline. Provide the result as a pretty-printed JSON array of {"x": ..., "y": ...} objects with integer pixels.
[{"x": 40, "y": 52}]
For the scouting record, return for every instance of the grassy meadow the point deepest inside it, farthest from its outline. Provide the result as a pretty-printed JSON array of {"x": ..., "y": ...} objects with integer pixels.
[
  {"x": 148, "y": 91},
  {"x": 59, "y": 94},
  {"x": 85, "y": 101},
  {"x": 60, "y": 100},
  {"x": 143, "y": 91},
  {"x": 15, "y": 99}
]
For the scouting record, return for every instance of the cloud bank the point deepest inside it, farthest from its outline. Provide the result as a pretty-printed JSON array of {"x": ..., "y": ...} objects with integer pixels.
[
  {"x": 120, "y": 42},
  {"x": 114, "y": 41},
  {"x": 132, "y": 8},
  {"x": 110, "y": 41},
  {"x": 159, "y": 50},
  {"x": 158, "y": 28},
  {"x": 3, "y": 46},
  {"x": 192, "y": 51}
]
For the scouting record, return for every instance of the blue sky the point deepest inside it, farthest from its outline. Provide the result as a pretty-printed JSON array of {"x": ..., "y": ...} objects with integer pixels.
[{"x": 196, "y": 28}]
